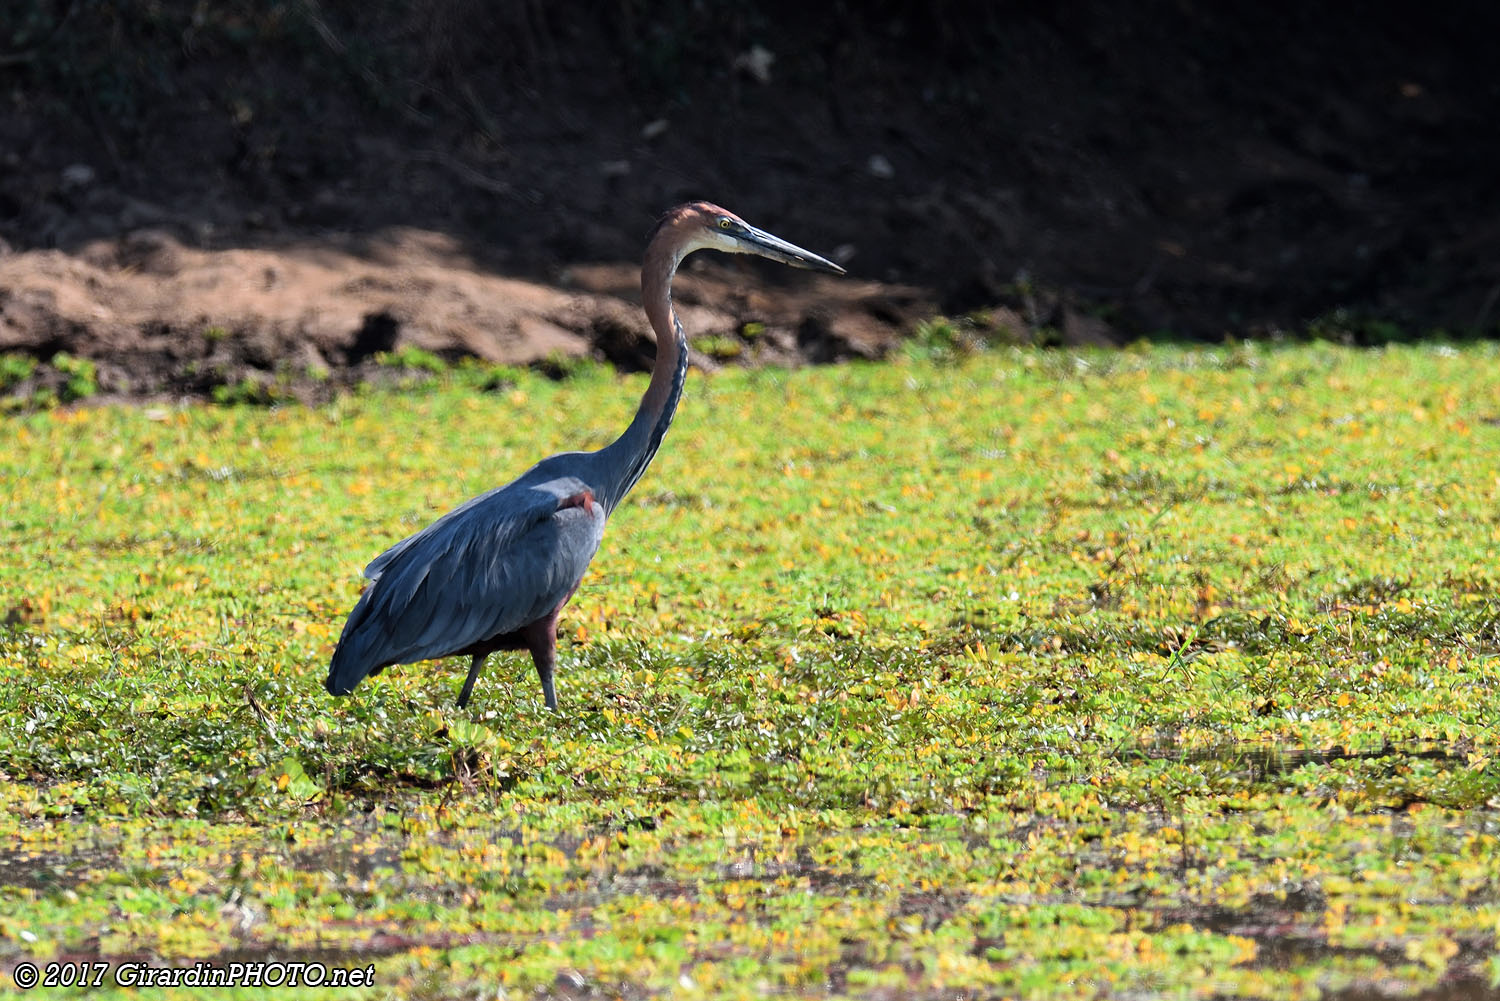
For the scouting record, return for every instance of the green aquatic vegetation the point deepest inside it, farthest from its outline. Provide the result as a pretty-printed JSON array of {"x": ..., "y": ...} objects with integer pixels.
[
  {"x": 720, "y": 348},
  {"x": 15, "y": 369},
  {"x": 413, "y": 359},
  {"x": 986, "y": 672},
  {"x": 80, "y": 376}
]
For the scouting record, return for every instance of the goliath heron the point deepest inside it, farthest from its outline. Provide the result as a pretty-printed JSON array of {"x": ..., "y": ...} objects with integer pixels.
[{"x": 494, "y": 573}]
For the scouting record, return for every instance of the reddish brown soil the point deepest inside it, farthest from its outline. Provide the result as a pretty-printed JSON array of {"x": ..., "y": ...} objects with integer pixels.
[
  {"x": 194, "y": 195},
  {"x": 157, "y": 318}
]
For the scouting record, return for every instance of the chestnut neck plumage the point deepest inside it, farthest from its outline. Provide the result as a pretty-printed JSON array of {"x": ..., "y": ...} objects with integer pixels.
[{"x": 629, "y": 455}]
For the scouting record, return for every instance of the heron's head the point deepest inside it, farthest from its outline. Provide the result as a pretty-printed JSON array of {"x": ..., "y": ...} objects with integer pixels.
[{"x": 705, "y": 226}]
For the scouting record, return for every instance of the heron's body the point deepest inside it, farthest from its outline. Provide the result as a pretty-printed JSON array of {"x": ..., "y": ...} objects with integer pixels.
[
  {"x": 487, "y": 576},
  {"x": 494, "y": 573}
]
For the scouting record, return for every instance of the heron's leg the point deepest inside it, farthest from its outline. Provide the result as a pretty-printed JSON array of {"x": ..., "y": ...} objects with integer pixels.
[
  {"x": 541, "y": 638},
  {"x": 463, "y": 696},
  {"x": 546, "y": 660}
]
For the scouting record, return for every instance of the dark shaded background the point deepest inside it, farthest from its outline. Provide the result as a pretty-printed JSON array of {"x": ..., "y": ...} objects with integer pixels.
[{"x": 1191, "y": 168}]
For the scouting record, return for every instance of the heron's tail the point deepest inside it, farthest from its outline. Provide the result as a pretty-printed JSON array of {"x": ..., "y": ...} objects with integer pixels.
[
  {"x": 352, "y": 658},
  {"x": 345, "y": 670}
]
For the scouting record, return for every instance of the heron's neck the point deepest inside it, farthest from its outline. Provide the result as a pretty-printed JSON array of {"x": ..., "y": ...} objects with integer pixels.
[{"x": 627, "y": 458}]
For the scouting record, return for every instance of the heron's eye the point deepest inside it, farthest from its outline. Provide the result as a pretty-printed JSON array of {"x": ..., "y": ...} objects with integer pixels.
[{"x": 725, "y": 224}]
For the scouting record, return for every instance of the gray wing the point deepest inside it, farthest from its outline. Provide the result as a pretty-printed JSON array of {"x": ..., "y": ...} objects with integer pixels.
[
  {"x": 505, "y": 559},
  {"x": 506, "y": 511}
]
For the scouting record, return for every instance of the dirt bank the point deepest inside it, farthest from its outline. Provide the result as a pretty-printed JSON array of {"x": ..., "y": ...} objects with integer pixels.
[{"x": 198, "y": 195}]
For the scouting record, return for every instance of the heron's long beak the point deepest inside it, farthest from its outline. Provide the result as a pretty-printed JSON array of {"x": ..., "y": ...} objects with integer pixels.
[{"x": 758, "y": 241}]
